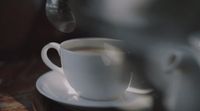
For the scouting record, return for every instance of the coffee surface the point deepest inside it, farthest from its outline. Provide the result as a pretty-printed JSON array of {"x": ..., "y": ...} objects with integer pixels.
[{"x": 93, "y": 50}]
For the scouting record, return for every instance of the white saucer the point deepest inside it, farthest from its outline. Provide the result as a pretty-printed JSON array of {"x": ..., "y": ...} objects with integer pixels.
[{"x": 54, "y": 86}]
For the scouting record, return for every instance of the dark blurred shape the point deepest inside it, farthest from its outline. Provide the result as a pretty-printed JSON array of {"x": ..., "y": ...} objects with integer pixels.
[{"x": 25, "y": 29}]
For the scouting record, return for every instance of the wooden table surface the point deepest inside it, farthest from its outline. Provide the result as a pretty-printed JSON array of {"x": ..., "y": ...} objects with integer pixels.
[{"x": 17, "y": 83}]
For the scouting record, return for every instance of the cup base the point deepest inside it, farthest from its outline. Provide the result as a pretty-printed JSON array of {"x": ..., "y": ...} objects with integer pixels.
[{"x": 100, "y": 99}]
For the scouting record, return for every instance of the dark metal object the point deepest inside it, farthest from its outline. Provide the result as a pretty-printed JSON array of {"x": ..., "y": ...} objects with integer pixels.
[{"x": 60, "y": 15}]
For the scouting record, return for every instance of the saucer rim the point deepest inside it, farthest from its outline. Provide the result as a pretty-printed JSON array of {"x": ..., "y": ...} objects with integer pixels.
[
  {"x": 108, "y": 105},
  {"x": 71, "y": 104}
]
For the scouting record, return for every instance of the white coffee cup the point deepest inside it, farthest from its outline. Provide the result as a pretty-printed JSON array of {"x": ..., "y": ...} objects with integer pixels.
[{"x": 96, "y": 68}]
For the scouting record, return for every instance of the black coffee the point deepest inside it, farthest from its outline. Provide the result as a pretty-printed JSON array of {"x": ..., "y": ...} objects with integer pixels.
[{"x": 95, "y": 50}]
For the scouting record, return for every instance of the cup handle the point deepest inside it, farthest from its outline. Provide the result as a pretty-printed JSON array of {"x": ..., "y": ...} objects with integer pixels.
[{"x": 45, "y": 58}]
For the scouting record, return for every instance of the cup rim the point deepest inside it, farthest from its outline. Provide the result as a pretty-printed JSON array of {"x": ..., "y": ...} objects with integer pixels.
[{"x": 73, "y": 41}]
